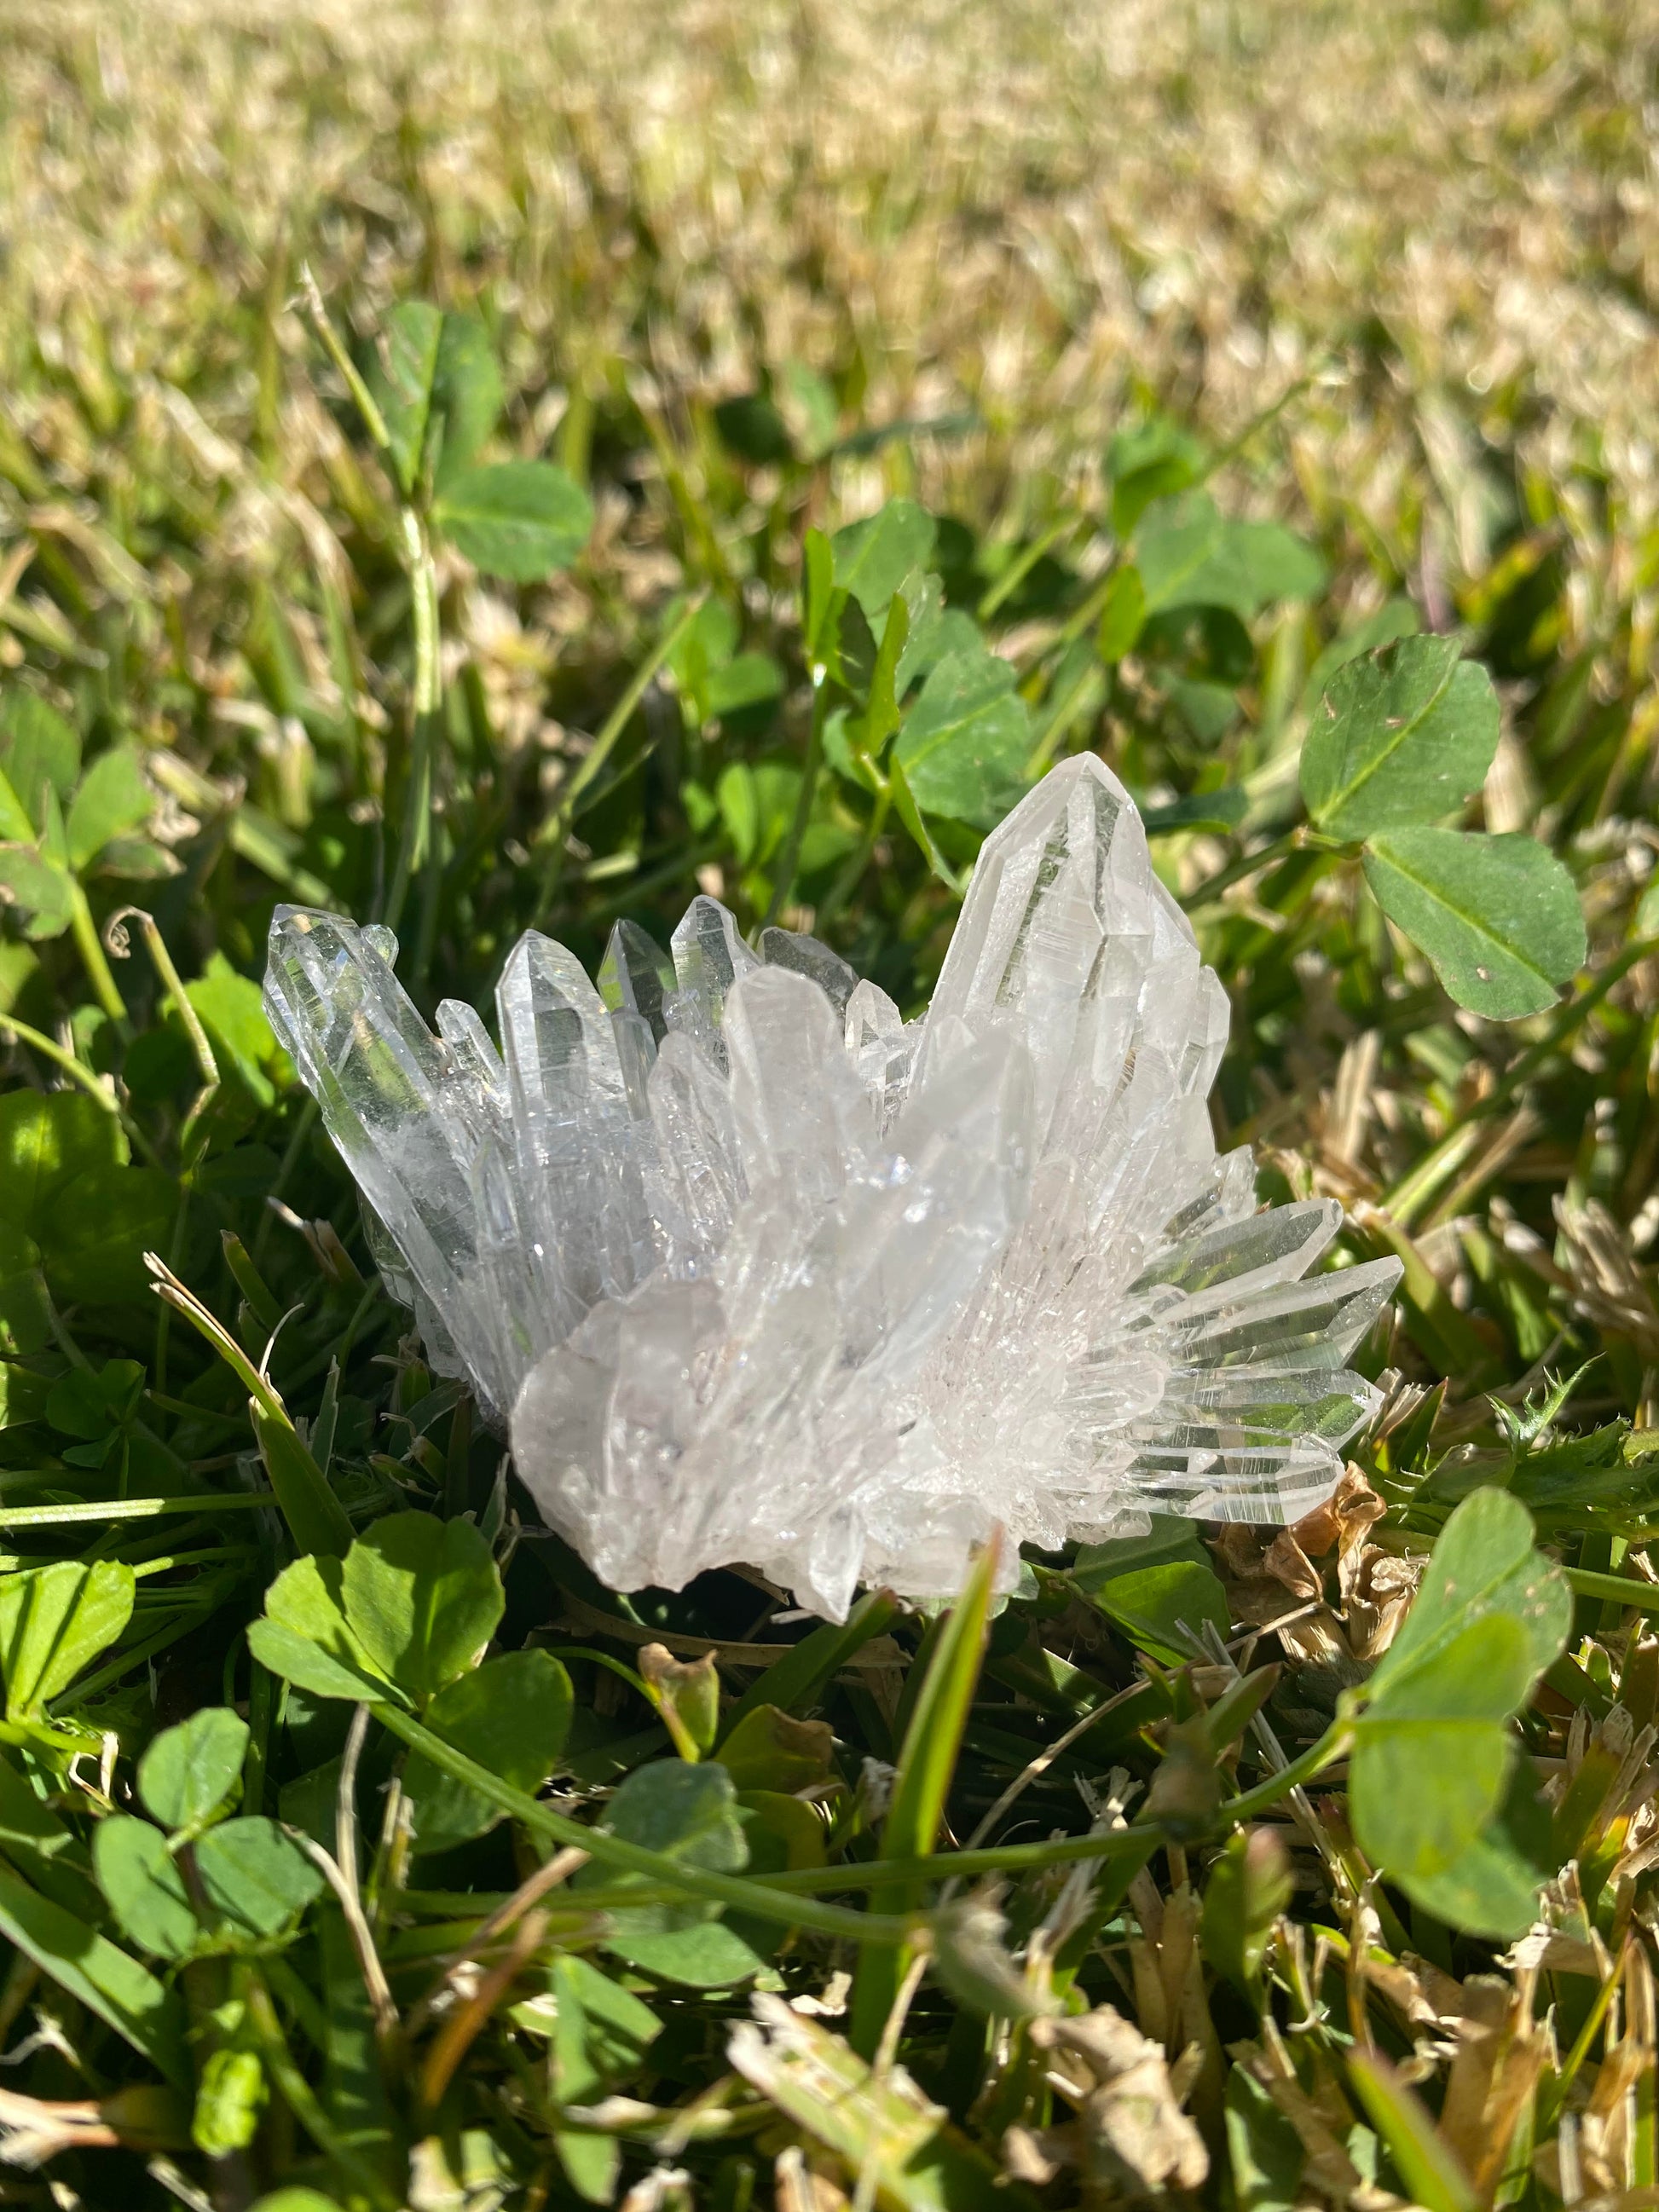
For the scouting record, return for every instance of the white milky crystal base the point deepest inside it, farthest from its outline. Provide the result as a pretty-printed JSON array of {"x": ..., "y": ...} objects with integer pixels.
[{"x": 757, "y": 1270}]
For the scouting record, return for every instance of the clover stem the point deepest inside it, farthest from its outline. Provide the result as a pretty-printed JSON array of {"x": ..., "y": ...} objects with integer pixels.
[
  {"x": 1247, "y": 864},
  {"x": 90, "y": 947},
  {"x": 1331, "y": 1746},
  {"x": 789, "y": 859},
  {"x": 754, "y": 1897},
  {"x": 1021, "y": 567},
  {"x": 1425, "y": 1182},
  {"x": 162, "y": 961},
  {"x": 362, "y": 398},
  {"x": 848, "y": 882}
]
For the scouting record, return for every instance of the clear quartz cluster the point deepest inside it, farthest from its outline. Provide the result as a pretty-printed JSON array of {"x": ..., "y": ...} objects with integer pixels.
[{"x": 757, "y": 1270}]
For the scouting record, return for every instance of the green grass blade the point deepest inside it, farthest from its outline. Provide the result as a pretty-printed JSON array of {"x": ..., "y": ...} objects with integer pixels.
[
  {"x": 106, "y": 1979},
  {"x": 1429, "y": 2167},
  {"x": 317, "y": 1521},
  {"x": 921, "y": 1781}
]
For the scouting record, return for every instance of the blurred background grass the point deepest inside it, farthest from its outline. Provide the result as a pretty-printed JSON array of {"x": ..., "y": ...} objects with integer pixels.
[
  {"x": 751, "y": 267},
  {"x": 1038, "y": 217}
]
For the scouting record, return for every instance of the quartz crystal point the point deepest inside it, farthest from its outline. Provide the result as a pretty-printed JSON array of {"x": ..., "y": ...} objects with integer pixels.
[{"x": 755, "y": 1270}]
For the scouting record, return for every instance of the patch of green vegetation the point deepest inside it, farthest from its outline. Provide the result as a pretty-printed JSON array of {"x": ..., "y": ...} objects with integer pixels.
[{"x": 432, "y": 489}]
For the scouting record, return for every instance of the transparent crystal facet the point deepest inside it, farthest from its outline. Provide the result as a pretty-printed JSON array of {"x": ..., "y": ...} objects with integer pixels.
[{"x": 756, "y": 1270}]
